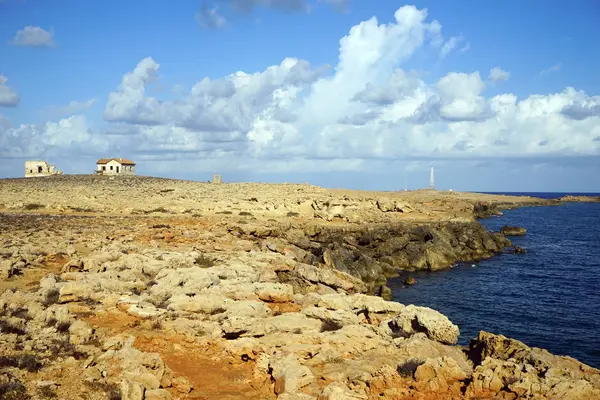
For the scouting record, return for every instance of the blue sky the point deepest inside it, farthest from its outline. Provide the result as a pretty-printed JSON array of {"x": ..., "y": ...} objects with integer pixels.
[{"x": 392, "y": 101}]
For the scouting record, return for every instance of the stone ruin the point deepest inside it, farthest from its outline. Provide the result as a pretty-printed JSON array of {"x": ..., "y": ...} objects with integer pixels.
[{"x": 40, "y": 168}]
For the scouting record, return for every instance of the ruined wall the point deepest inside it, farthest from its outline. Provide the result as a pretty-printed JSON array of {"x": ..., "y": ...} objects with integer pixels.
[{"x": 40, "y": 168}]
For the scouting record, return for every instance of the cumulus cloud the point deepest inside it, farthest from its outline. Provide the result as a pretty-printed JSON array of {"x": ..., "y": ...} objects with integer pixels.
[
  {"x": 34, "y": 36},
  {"x": 66, "y": 136},
  {"x": 367, "y": 109},
  {"x": 581, "y": 106},
  {"x": 8, "y": 97},
  {"x": 209, "y": 17},
  {"x": 73, "y": 107},
  {"x": 229, "y": 104},
  {"x": 366, "y": 112},
  {"x": 497, "y": 74}
]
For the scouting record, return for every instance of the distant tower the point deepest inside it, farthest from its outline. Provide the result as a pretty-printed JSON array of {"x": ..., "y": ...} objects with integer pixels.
[{"x": 431, "y": 179}]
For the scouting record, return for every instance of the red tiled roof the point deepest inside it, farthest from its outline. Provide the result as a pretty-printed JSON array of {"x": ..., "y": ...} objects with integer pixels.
[{"x": 122, "y": 161}]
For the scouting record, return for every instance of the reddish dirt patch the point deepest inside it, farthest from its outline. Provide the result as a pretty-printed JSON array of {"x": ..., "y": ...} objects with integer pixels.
[
  {"x": 214, "y": 374},
  {"x": 115, "y": 322},
  {"x": 284, "y": 307}
]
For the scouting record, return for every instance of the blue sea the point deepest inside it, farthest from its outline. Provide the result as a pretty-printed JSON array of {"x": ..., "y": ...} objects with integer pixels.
[{"x": 549, "y": 297}]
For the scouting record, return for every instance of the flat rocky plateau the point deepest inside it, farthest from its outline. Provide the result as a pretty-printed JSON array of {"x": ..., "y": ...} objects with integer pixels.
[{"x": 147, "y": 288}]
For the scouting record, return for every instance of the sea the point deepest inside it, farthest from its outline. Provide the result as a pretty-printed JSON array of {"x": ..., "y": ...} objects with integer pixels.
[{"x": 548, "y": 297}]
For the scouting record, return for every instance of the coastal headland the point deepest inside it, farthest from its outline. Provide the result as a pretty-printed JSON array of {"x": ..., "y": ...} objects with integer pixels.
[{"x": 149, "y": 288}]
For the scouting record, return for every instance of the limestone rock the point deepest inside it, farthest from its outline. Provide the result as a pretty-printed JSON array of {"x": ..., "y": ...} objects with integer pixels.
[
  {"x": 131, "y": 390},
  {"x": 158, "y": 394},
  {"x": 295, "y": 396},
  {"x": 248, "y": 308},
  {"x": 182, "y": 385},
  {"x": 513, "y": 230},
  {"x": 439, "y": 373},
  {"x": 201, "y": 303},
  {"x": 339, "y": 391},
  {"x": 338, "y": 316},
  {"x": 413, "y": 319},
  {"x": 289, "y": 375},
  {"x": 80, "y": 332},
  {"x": 75, "y": 291},
  {"x": 274, "y": 292}
]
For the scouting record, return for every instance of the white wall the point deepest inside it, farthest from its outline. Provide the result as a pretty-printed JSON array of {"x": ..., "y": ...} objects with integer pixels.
[{"x": 117, "y": 168}]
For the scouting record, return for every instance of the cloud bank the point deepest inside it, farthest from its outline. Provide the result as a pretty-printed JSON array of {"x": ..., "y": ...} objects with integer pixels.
[{"x": 362, "y": 112}]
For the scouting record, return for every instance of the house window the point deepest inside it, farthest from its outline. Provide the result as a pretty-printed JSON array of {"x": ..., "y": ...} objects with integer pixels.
[
  {"x": 104, "y": 168},
  {"x": 39, "y": 169},
  {"x": 111, "y": 167}
]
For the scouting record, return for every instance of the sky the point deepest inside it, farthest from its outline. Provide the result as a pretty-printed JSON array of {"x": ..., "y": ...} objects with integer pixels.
[{"x": 497, "y": 96}]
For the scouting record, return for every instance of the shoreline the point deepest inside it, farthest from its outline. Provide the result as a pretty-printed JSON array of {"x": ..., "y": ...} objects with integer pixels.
[{"x": 267, "y": 279}]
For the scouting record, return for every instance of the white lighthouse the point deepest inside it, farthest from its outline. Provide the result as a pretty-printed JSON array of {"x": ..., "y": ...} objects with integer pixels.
[{"x": 431, "y": 179}]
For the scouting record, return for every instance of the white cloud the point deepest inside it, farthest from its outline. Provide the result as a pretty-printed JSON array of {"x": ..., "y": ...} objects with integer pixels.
[
  {"x": 67, "y": 136},
  {"x": 73, "y": 107},
  {"x": 8, "y": 97},
  {"x": 497, "y": 74},
  {"x": 368, "y": 109},
  {"x": 549, "y": 70},
  {"x": 451, "y": 44},
  {"x": 34, "y": 36},
  {"x": 209, "y": 17},
  {"x": 363, "y": 114}
]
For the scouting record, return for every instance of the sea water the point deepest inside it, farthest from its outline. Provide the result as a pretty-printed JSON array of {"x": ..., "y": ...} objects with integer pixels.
[{"x": 548, "y": 297}]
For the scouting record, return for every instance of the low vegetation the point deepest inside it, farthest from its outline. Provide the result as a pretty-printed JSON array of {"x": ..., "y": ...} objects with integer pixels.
[{"x": 329, "y": 325}]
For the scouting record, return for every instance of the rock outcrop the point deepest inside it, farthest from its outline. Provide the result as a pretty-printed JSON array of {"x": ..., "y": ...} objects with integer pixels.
[
  {"x": 513, "y": 230},
  {"x": 188, "y": 290}
]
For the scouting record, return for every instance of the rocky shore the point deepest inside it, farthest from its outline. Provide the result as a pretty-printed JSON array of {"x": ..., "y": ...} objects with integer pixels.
[
  {"x": 580, "y": 199},
  {"x": 147, "y": 288}
]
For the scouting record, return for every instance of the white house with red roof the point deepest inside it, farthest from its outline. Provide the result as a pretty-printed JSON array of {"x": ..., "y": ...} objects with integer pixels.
[{"x": 115, "y": 166}]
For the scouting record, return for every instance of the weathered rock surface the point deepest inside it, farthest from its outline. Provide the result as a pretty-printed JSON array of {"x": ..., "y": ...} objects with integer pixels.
[
  {"x": 513, "y": 230},
  {"x": 156, "y": 289}
]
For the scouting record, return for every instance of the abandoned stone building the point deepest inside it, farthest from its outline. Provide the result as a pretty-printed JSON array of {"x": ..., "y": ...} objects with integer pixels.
[
  {"x": 115, "y": 166},
  {"x": 40, "y": 168}
]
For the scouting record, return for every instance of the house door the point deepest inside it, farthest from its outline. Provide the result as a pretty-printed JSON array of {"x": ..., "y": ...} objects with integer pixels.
[
  {"x": 39, "y": 169},
  {"x": 117, "y": 170}
]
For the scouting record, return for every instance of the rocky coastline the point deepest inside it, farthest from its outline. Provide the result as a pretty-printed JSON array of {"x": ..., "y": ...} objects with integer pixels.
[
  {"x": 147, "y": 288},
  {"x": 580, "y": 199}
]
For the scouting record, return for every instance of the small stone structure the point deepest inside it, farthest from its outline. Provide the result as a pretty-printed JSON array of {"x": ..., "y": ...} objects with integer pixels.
[
  {"x": 217, "y": 179},
  {"x": 40, "y": 168},
  {"x": 115, "y": 166}
]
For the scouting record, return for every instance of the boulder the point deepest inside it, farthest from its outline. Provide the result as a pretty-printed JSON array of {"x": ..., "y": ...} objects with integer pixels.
[
  {"x": 438, "y": 373},
  {"x": 80, "y": 332},
  {"x": 513, "y": 230},
  {"x": 413, "y": 319},
  {"x": 289, "y": 375},
  {"x": 274, "y": 292},
  {"x": 410, "y": 281},
  {"x": 7, "y": 269},
  {"x": 75, "y": 291}
]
